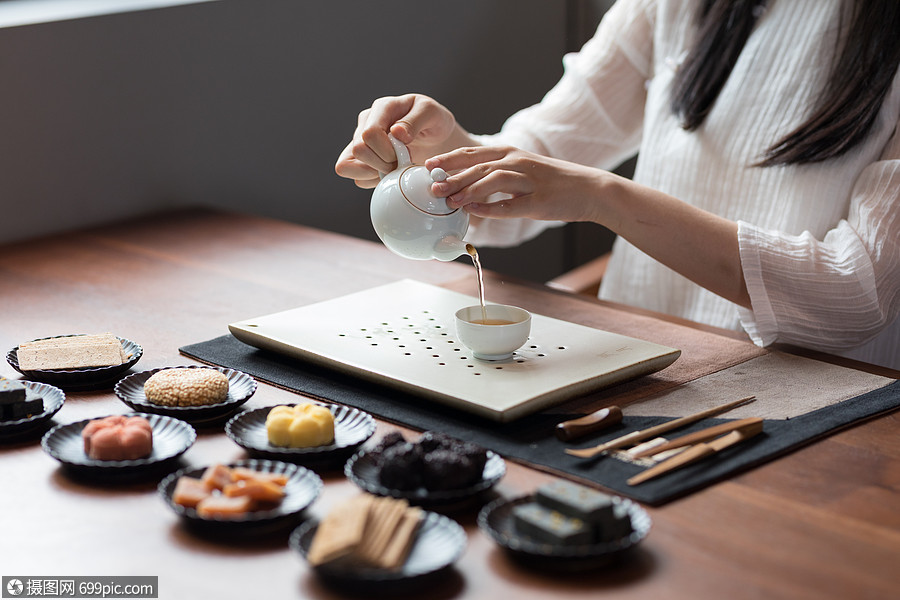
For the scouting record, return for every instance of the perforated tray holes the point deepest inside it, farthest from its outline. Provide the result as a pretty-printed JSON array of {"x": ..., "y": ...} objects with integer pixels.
[{"x": 425, "y": 335}]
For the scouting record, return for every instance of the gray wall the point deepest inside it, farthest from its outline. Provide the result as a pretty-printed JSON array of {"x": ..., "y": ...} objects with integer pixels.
[{"x": 245, "y": 105}]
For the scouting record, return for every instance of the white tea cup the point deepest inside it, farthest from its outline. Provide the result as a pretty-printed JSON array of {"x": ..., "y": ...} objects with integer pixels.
[{"x": 505, "y": 331}]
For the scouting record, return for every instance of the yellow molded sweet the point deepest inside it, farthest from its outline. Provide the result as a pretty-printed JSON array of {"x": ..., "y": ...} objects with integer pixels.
[{"x": 300, "y": 426}]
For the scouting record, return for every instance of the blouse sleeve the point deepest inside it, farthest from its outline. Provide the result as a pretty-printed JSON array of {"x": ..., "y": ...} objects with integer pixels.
[
  {"x": 838, "y": 292},
  {"x": 594, "y": 114}
]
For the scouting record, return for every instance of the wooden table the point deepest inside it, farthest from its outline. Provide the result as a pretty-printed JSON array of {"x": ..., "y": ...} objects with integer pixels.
[{"x": 822, "y": 522}]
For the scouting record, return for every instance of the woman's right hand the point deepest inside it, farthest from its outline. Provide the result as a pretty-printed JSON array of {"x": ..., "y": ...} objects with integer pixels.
[{"x": 425, "y": 126}]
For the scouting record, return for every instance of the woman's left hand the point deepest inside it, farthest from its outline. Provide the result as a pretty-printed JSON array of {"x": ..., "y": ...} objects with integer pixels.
[
  {"x": 536, "y": 187},
  {"x": 700, "y": 245}
]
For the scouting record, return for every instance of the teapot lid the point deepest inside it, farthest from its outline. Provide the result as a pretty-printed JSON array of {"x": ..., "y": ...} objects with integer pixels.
[{"x": 415, "y": 184}]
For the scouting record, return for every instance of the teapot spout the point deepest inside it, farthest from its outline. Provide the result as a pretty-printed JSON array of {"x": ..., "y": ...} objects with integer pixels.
[{"x": 451, "y": 247}]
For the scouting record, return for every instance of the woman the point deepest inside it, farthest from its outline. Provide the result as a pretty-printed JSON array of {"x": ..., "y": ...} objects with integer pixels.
[{"x": 765, "y": 196}]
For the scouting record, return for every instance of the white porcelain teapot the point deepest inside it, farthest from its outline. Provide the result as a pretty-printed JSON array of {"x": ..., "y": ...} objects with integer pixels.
[{"x": 409, "y": 219}]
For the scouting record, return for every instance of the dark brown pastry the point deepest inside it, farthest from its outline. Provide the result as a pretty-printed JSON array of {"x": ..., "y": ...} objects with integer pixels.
[
  {"x": 436, "y": 461},
  {"x": 434, "y": 440},
  {"x": 400, "y": 467},
  {"x": 389, "y": 439},
  {"x": 445, "y": 469},
  {"x": 474, "y": 453}
]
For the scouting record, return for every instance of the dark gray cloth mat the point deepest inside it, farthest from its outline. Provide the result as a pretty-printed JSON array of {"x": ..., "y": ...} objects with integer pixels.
[{"x": 531, "y": 440}]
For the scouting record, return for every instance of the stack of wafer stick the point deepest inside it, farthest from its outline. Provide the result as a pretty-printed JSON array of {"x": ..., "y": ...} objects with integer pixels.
[{"x": 376, "y": 531}]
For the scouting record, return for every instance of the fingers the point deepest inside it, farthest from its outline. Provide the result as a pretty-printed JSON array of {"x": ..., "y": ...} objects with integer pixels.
[
  {"x": 387, "y": 111},
  {"x": 482, "y": 187},
  {"x": 513, "y": 208},
  {"x": 532, "y": 186},
  {"x": 415, "y": 121},
  {"x": 479, "y": 173},
  {"x": 367, "y": 184},
  {"x": 375, "y": 149},
  {"x": 373, "y": 132},
  {"x": 350, "y": 166},
  {"x": 411, "y": 118},
  {"x": 370, "y": 151},
  {"x": 404, "y": 130},
  {"x": 463, "y": 158}
]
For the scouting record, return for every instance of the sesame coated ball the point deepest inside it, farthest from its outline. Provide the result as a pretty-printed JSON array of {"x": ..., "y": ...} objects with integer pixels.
[{"x": 186, "y": 387}]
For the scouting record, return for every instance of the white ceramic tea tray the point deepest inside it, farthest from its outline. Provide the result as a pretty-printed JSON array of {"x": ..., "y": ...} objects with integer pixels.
[{"x": 402, "y": 335}]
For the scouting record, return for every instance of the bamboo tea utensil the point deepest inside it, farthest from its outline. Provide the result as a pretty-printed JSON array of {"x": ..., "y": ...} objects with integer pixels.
[
  {"x": 697, "y": 452},
  {"x": 637, "y": 436},
  {"x": 699, "y": 436}
]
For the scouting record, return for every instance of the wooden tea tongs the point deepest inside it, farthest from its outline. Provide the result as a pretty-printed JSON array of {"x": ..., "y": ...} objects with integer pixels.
[
  {"x": 741, "y": 430},
  {"x": 699, "y": 436},
  {"x": 629, "y": 439}
]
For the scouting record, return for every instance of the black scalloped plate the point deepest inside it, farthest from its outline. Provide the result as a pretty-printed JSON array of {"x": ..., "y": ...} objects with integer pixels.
[
  {"x": 439, "y": 543},
  {"x": 352, "y": 427},
  {"x": 362, "y": 469},
  {"x": 171, "y": 439},
  {"x": 53, "y": 401},
  {"x": 496, "y": 521},
  {"x": 87, "y": 378},
  {"x": 240, "y": 388},
  {"x": 302, "y": 489}
]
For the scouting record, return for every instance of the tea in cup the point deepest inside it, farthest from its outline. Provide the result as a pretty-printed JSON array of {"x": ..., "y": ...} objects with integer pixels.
[{"x": 493, "y": 331}]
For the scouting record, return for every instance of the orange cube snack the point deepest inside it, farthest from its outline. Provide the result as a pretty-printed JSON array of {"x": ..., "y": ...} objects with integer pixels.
[
  {"x": 242, "y": 473},
  {"x": 226, "y": 507},
  {"x": 257, "y": 489},
  {"x": 189, "y": 491},
  {"x": 216, "y": 477}
]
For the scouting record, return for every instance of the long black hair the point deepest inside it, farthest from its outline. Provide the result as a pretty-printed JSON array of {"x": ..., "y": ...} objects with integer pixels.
[{"x": 866, "y": 60}]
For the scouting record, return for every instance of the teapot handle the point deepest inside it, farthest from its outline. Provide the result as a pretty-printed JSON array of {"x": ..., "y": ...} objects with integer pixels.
[{"x": 402, "y": 152}]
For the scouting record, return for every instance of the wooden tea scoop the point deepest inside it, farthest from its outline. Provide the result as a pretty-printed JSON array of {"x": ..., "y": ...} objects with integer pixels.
[
  {"x": 697, "y": 452},
  {"x": 638, "y": 436},
  {"x": 597, "y": 420},
  {"x": 698, "y": 436}
]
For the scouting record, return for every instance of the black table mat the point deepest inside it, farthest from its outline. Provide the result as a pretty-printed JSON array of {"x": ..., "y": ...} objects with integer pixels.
[{"x": 531, "y": 440}]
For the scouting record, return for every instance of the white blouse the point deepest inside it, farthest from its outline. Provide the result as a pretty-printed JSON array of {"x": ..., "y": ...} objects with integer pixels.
[{"x": 819, "y": 243}]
